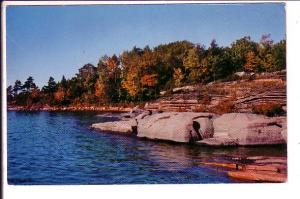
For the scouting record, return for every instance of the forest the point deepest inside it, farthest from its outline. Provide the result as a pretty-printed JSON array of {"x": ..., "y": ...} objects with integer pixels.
[{"x": 139, "y": 74}]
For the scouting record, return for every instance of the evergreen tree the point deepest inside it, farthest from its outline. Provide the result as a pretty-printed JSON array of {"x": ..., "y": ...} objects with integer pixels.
[
  {"x": 17, "y": 87},
  {"x": 29, "y": 84},
  {"x": 52, "y": 85},
  {"x": 63, "y": 82},
  {"x": 10, "y": 93}
]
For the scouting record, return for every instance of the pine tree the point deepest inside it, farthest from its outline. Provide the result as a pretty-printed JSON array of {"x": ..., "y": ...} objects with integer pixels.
[
  {"x": 17, "y": 87},
  {"x": 29, "y": 84}
]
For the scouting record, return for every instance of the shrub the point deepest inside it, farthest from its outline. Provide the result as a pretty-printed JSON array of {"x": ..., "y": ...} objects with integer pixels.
[
  {"x": 224, "y": 107},
  {"x": 268, "y": 109},
  {"x": 199, "y": 108}
]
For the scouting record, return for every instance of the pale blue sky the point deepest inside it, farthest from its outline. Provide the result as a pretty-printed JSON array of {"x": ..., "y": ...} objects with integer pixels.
[{"x": 45, "y": 41}]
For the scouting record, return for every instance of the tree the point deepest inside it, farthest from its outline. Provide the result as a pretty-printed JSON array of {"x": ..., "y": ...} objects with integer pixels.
[
  {"x": 264, "y": 52},
  {"x": 81, "y": 87},
  {"x": 59, "y": 95},
  {"x": 75, "y": 89},
  {"x": 34, "y": 96},
  {"x": 107, "y": 84},
  {"x": 10, "y": 93},
  {"x": 149, "y": 70},
  {"x": 20, "y": 97},
  {"x": 131, "y": 72},
  {"x": 114, "y": 78},
  {"x": 178, "y": 77},
  {"x": 140, "y": 73},
  {"x": 49, "y": 90},
  {"x": 239, "y": 50},
  {"x": 171, "y": 56},
  {"x": 278, "y": 53},
  {"x": 100, "y": 88},
  {"x": 29, "y": 84},
  {"x": 131, "y": 83},
  {"x": 63, "y": 82},
  {"x": 51, "y": 86},
  {"x": 112, "y": 64},
  {"x": 149, "y": 80},
  {"x": 192, "y": 62},
  {"x": 253, "y": 63},
  {"x": 211, "y": 64},
  {"x": 17, "y": 87}
]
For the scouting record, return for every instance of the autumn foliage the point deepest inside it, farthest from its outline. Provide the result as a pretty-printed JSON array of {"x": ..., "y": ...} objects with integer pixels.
[{"x": 140, "y": 74}]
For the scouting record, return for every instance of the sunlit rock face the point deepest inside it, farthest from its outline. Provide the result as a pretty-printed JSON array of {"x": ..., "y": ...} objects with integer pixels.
[
  {"x": 203, "y": 128},
  {"x": 247, "y": 129},
  {"x": 182, "y": 127},
  {"x": 124, "y": 127}
]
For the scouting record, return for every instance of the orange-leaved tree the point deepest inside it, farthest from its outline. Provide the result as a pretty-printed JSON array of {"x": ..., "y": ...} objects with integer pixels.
[
  {"x": 253, "y": 63},
  {"x": 59, "y": 95},
  {"x": 178, "y": 76}
]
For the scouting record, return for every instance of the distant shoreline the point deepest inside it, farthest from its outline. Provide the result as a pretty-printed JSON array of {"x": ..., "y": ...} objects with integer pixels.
[{"x": 72, "y": 108}]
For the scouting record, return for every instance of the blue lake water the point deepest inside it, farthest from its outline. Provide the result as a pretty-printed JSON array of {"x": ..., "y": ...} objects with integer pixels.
[{"x": 60, "y": 148}]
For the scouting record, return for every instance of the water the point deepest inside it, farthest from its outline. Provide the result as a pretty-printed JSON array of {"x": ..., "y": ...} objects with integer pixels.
[{"x": 59, "y": 148}]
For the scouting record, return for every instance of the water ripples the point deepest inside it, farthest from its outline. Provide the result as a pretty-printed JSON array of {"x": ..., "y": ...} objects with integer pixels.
[{"x": 59, "y": 148}]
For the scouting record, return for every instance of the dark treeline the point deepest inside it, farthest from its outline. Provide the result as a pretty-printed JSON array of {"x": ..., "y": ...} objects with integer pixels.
[{"x": 140, "y": 74}]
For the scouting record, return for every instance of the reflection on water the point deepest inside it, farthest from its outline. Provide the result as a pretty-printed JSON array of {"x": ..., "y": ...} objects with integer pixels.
[
  {"x": 59, "y": 148},
  {"x": 187, "y": 156}
]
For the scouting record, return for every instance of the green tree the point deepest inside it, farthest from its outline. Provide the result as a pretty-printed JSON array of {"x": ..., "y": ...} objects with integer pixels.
[
  {"x": 171, "y": 56},
  {"x": 149, "y": 69},
  {"x": 264, "y": 53},
  {"x": 29, "y": 84},
  {"x": 17, "y": 87},
  {"x": 278, "y": 53},
  {"x": 192, "y": 62},
  {"x": 211, "y": 63},
  {"x": 114, "y": 78},
  {"x": 64, "y": 82},
  {"x": 239, "y": 50},
  {"x": 48, "y": 91},
  {"x": 107, "y": 85},
  {"x": 10, "y": 93},
  {"x": 81, "y": 87},
  {"x": 51, "y": 86}
]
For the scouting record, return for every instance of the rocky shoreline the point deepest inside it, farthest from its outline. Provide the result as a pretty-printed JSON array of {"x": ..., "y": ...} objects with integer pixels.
[
  {"x": 231, "y": 129},
  {"x": 209, "y": 129}
]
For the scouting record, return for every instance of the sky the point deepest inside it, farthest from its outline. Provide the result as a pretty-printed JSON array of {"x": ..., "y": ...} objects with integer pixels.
[{"x": 44, "y": 41}]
